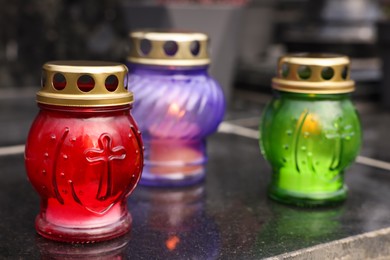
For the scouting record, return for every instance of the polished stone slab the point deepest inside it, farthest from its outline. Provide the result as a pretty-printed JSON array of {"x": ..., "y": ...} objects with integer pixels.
[{"x": 227, "y": 217}]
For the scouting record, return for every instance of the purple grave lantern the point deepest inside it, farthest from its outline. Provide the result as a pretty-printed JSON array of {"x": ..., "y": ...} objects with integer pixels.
[{"x": 178, "y": 104}]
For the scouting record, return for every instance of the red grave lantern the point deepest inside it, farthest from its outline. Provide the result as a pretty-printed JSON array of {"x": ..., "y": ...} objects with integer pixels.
[{"x": 84, "y": 153}]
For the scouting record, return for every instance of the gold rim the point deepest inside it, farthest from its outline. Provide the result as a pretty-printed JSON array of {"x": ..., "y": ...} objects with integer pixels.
[
  {"x": 169, "y": 48},
  {"x": 84, "y": 83},
  {"x": 314, "y": 74}
]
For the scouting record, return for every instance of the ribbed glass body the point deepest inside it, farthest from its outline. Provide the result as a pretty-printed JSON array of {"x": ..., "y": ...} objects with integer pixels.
[
  {"x": 83, "y": 162},
  {"x": 177, "y": 107},
  {"x": 309, "y": 140}
]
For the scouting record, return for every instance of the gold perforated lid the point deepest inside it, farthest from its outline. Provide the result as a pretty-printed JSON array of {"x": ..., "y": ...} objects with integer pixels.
[
  {"x": 314, "y": 74},
  {"x": 84, "y": 84},
  {"x": 169, "y": 48}
]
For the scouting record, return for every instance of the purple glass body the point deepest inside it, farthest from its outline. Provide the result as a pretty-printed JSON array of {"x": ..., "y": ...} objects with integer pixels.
[{"x": 176, "y": 108}]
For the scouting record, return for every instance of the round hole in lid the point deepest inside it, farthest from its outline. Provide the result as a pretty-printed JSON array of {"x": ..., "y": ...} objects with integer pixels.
[
  {"x": 170, "y": 48},
  {"x": 85, "y": 83},
  {"x": 327, "y": 73},
  {"x": 59, "y": 81},
  {"x": 111, "y": 83},
  {"x": 145, "y": 47},
  {"x": 304, "y": 72},
  {"x": 195, "y": 48}
]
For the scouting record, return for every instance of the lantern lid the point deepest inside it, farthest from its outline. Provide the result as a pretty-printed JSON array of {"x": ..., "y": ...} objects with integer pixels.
[
  {"x": 84, "y": 84},
  {"x": 313, "y": 73},
  {"x": 169, "y": 48}
]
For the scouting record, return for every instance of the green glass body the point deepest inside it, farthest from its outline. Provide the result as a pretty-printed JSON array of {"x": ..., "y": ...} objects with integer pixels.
[{"x": 309, "y": 140}]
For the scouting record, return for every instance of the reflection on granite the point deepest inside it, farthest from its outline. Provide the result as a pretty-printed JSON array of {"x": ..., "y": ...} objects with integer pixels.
[
  {"x": 174, "y": 223},
  {"x": 312, "y": 226},
  {"x": 113, "y": 249},
  {"x": 35, "y": 31}
]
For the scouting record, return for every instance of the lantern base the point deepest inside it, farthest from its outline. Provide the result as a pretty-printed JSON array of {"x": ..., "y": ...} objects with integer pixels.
[
  {"x": 173, "y": 163},
  {"x": 112, "y": 249},
  {"x": 308, "y": 199},
  {"x": 82, "y": 235},
  {"x": 174, "y": 180}
]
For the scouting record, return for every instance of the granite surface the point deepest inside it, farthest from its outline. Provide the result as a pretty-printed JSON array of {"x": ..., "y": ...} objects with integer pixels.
[{"x": 226, "y": 217}]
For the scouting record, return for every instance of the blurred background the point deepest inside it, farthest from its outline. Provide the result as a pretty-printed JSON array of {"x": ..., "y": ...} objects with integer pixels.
[{"x": 247, "y": 36}]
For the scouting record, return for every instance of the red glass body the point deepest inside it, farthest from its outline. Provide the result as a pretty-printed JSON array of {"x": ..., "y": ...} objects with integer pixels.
[{"x": 84, "y": 162}]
